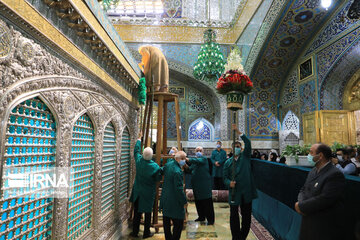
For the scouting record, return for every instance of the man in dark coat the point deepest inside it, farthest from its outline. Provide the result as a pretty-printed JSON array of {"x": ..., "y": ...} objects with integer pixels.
[
  {"x": 242, "y": 190},
  {"x": 320, "y": 201},
  {"x": 201, "y": 184},
  {"x": 173, "y": 199},
  {"x": 143, "y": 192}
]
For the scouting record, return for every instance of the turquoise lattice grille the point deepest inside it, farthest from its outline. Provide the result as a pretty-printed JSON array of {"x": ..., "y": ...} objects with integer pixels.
[
  {"x": 108, "y": 169},
  {"x": 124, "y": 164},
  {"x": 82, "y": 163},
  {"x": 30, "y": 143}
]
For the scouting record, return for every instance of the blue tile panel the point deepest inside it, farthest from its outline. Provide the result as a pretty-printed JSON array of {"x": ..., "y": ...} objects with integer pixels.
[
  {"x": 30, "y": 143},
  {"x": 298, "y": 22},
  {"x": 82, "y": 163},
  {"x": 125, "y": 164},
  {"x": 308, "y": 97},
  {"x": 337, "y": 26},
  {"x": 108, "y": 170}
]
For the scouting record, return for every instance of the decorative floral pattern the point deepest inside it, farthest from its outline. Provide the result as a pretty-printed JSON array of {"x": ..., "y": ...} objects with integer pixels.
[
  {"x": 263, "y": 95},
  {"x": 297, "y": 4},
  {"x": 307, "y": 100},
  {"x": 299, "y": 21},
  {"x": 172, "y": 9},
  {"x": 171, "y": 128},
  {"x": 198, "y": 103},
  {"x": 337, "y": 26},
  {"x": 290, "y": 91},
  {"x": 329, "y": 55},
  {"x": 294, "y": 29},
  {"x": 286, "y": 42},
  {"x": 331, "y": 90},
  {"x": 263, "y": 109}
]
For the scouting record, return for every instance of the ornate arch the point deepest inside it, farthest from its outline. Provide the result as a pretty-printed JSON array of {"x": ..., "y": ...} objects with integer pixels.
[
  {"x": 290, "y": 122},
  {"x": 290, "y": 130},
  {"x": 351, "y": 97},
  {"x": 334, "y": 81}
]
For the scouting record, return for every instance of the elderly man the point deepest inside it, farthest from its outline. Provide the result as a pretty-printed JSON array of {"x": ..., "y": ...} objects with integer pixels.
[
  {"x": 143, "y": 192},
  {"x": 242, "y": 190},
  {"x": 173, "y": 199},
  {"x": 155, "y": 68},
  {"x": 320, "y": 200},
  {"x": 201, "y": 184}
]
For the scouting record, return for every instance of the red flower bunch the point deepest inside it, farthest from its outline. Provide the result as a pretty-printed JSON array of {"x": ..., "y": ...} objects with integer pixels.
[{"x": 233, "y": 80}]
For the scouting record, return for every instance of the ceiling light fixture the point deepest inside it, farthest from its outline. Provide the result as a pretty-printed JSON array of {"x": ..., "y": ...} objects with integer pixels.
[
  {"x": 326, "y": 3},
  {"x": 210, "y": 62}
]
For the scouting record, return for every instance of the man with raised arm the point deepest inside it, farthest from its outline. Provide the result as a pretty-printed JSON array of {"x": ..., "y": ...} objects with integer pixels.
[
  {"x": 143, "y": 191},
  {"x": 239, "y": 180}
]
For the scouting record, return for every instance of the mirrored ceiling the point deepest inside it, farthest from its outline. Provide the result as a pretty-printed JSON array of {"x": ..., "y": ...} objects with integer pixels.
[{"x": 194, "y": 13}]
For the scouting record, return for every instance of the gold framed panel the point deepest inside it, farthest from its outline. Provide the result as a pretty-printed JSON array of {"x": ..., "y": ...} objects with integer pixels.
[
  {"x": 335, "y": 126},
  {"x": 306, "y": 69},
  {"x": 311, "y": 128}
]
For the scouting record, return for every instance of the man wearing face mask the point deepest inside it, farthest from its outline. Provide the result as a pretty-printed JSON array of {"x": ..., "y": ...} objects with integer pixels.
[
  {"x": 173, "y": 199},
  {"x": 201, "y": 184},
  {"x": 239, "y": 180},
  {"x": 344, "y": 163},
  {"x": 218, "y": 158},
  {"x": 173, "y": 151},
  {"x": 144, "y": 188},
  {"x": 320, "y": 200}
]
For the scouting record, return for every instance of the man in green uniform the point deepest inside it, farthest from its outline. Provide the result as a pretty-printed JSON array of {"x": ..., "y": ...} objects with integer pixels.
[
  {"x": 201, "y": 184},
  {"x": 242, "y": 191},
  {"x": 218, "y": 158},
  {"x": 173, "y": 199},
  {"x": 143, "y": 192}
]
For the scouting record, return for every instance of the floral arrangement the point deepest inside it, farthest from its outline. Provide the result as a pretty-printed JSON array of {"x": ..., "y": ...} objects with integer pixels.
[{"x": 234, "y": 78}]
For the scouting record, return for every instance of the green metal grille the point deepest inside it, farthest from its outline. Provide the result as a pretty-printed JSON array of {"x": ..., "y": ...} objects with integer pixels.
[
  {"x": 124, "y": 164},
  {"x": 108, "y": 170},
  {"x": 30, "y": 145},
  {"x": 82, "y": 163}
]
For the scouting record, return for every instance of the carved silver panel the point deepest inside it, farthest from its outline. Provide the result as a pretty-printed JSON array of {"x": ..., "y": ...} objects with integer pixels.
[{"x": 31, "y": 72}]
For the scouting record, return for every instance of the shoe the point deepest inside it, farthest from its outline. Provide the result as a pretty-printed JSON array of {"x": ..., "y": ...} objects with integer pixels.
[
  {"x": 147, "y": 235},
  {"x": 133, "y": 235},
  {"x": 210, "y": 223},
  {"x": 199, "y": 220}
]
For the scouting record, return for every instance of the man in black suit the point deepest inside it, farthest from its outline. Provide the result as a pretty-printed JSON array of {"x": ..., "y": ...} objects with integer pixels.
[{"x": 320, "y": 200}]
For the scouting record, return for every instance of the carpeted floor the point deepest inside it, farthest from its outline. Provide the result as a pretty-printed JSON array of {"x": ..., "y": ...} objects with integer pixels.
[{"x": 220, "y": 230}]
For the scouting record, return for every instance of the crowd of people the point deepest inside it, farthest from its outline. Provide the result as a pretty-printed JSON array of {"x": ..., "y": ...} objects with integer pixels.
[
  {"x": 320, "y": 201},
  {"x": 271, "y": 156},
  {"x": 347, "y": 160},
  {"x": 234, "y": 173}
]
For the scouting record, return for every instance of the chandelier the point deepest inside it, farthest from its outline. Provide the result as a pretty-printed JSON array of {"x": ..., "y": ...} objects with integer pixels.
[{"x": 210, "y": 62}]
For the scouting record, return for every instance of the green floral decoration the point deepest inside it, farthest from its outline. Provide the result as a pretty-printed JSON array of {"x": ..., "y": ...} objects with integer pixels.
[{"x": 142, "y": 91}]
